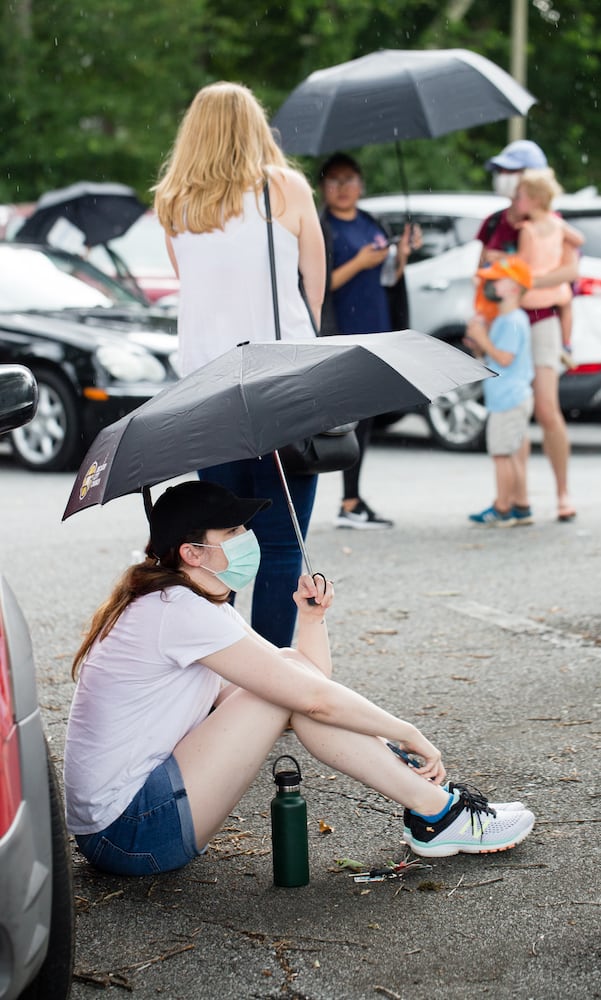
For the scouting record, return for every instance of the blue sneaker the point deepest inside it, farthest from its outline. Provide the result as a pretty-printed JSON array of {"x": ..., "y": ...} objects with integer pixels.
[
  {"x": 522, "y": 515},
  {"x": 493, "y": 518}
]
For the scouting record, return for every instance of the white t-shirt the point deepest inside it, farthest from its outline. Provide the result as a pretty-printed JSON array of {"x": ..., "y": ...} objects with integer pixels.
[
  {"x": 139, "y": 692},
  {"x": 225, "y": 287}
]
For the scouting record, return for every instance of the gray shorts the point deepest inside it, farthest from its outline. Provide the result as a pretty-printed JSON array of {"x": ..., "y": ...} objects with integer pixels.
[
  {"x": 546, "y": 343},
  {"x": 505, "y": 431}
]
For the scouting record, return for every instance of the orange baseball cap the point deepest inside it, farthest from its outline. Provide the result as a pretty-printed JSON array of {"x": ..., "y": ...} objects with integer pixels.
[{"x": 508, "y": 267}]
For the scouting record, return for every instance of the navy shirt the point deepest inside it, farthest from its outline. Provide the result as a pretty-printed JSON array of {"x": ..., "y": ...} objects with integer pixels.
[{"x": 361, "y": 305}]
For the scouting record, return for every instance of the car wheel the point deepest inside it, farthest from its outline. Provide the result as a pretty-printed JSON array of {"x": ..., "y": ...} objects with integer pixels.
[
  {"x": 53, "y": 981},
  {"x": 51, "y": 441},
  {"x": 458, "y": 419}
]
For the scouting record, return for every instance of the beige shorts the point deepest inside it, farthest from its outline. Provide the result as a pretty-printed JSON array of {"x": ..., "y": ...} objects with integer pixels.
[
  {"x": 505, "y": 431},
  {"x": 546, "y": 343}
]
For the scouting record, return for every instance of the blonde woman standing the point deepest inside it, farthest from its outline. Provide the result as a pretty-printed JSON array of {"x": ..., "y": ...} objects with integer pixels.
[
  {"x": 210, "y": 202},
  {"x": 541, "y": 243}
]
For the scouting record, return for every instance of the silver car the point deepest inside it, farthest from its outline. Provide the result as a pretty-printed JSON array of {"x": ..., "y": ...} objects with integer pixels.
[
  {"x": 37, "y": 914},
  {"x": 441, "y": 294}
]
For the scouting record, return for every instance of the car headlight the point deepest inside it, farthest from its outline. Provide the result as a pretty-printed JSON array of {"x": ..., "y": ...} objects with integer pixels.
[{"x": 127, "y": 364}]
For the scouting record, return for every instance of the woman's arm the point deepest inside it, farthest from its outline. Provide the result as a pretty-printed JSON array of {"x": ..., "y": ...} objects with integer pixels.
[
  {"x": 171, "y": 252},
  {"x": 312, "y": 258},
  {"x": 294, "y": 208},
  {"x": 293, "y": 682},
  {"x": 270, "y": 675},
  {"x": 313, "y": 643}
]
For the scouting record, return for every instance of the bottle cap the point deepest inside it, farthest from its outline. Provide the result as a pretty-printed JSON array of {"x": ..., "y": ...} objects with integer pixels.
[{"x": 287, "y": 779}]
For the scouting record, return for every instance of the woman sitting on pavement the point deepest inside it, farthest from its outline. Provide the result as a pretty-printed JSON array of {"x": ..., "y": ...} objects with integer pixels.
[{"x": 179, "y": 703}]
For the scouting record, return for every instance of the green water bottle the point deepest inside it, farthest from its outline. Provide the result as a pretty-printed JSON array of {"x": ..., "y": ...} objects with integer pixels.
[{"x": 289, "y": 841}]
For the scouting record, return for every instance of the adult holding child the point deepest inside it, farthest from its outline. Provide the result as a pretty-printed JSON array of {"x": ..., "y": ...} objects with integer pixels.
[
  {"x": 210, "y": 201},
  {"x": 500, "y": 236},
  {"x": 540, "y": 244}
]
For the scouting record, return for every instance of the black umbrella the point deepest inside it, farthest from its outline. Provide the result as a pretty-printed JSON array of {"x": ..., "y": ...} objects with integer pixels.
[
  {"x": 100, "y": 211},
  {"x": 258, "y": 397},
  {"x": 396, "y": 94}
]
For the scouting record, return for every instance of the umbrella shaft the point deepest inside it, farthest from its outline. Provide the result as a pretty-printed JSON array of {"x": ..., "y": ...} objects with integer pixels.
[{"x": 295, "y": 524}]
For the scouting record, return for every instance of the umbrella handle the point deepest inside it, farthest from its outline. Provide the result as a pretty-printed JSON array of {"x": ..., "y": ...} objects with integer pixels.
[{"x": 295, "y": 524}]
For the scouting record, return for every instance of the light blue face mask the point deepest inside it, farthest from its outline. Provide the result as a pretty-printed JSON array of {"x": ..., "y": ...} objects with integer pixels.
[{"x": 243, "y": 557}]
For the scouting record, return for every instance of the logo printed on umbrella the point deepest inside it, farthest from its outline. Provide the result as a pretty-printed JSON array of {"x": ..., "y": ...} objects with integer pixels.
[{"x": 91, "y": 478}]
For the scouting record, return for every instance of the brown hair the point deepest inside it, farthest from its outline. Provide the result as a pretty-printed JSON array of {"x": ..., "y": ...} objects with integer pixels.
[{"x": 137, "y": 581}]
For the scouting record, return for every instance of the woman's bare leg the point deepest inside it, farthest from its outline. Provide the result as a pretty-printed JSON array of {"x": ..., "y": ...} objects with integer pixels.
[
  {"x": 369, "y": 761},
  {"x": 221, "y": 757},
  {"x": 548, "y": 414}
]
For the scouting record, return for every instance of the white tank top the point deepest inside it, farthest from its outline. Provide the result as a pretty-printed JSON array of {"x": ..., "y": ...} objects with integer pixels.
[{"x": 225, "y": 288}]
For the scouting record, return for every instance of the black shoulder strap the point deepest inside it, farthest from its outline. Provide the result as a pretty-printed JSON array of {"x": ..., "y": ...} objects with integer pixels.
[{"x": 274, "y": 284}]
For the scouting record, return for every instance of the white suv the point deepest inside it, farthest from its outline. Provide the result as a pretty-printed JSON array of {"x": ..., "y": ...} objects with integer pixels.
[{"x": 441, "y": 294}]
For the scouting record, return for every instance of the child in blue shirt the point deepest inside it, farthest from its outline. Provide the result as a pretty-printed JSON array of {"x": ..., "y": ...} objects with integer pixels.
[{"x": 508, "y": 397}]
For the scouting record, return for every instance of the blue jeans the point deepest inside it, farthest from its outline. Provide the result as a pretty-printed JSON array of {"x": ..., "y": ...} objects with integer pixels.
[
  {"x": 155, "y": 833},
  {"x": 273, "y": 610}
]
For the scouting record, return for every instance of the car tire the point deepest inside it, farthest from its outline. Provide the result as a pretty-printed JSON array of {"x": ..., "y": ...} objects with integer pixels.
[
  {"x": 51, "y": 441},
  {"x": 457, "y": 420},
  {"x": 53, "y": 981}
]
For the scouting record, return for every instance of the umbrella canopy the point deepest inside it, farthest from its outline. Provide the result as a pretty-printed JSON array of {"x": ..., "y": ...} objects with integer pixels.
[
  {"x": 257, "y": 397},
  {"x": 397, "y": 94},
  {"x": 100, "y": 211}
]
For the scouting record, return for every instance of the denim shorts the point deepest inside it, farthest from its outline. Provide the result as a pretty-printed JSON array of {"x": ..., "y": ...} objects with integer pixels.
[{"x": 155, "y": 833}]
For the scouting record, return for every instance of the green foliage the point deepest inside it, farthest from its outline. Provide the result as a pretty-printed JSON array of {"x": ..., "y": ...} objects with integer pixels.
[{"x": 95, "y": 90}]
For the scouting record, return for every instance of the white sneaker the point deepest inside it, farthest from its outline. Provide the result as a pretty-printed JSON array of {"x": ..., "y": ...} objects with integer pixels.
[
  {"x": 469, "y": 827},
  {"x": 496, "y": 807}
]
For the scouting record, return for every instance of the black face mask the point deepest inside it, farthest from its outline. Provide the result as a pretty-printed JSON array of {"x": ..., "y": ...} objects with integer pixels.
[{"x": 490, "y": 293}]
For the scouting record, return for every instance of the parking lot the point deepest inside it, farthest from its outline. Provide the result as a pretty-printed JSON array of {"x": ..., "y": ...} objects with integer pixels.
[{"x": 489, "y": 639}]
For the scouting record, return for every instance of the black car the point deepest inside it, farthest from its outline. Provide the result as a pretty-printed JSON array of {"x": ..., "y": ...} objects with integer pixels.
[
  {"x": 96, "y": 352},
  {"x": 37, "y": 907}
]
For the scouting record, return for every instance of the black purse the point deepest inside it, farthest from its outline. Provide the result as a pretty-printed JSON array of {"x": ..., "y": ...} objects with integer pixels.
[{"x": 333, "y": 450}]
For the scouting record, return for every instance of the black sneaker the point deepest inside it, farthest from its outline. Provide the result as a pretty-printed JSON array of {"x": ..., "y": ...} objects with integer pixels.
[
  {"x": 471, "y": 826},
  {"x": 361, "y": 517}
]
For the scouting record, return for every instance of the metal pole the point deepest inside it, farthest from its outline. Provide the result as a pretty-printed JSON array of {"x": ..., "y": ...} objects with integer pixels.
[
  {"x": 295, "y": 524},
  {"x": 519, "y": 43}
]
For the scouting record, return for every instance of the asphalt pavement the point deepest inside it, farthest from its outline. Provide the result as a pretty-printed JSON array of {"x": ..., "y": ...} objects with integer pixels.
[{"x": 488, "y": 639}]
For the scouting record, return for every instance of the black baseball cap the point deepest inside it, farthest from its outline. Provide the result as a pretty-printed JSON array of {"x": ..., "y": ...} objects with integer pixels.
[{"x": 197, "y": 506}]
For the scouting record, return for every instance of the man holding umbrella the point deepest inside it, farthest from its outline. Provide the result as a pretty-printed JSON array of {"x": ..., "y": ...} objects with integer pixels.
[{"x": 357, "y": 301}]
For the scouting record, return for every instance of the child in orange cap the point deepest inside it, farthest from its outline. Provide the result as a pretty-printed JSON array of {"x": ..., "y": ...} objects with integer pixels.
[{"x": 508, "y": 397}]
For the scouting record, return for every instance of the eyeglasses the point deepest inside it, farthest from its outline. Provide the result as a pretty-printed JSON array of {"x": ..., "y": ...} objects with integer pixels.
[{"x": 340, "y": 182}]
